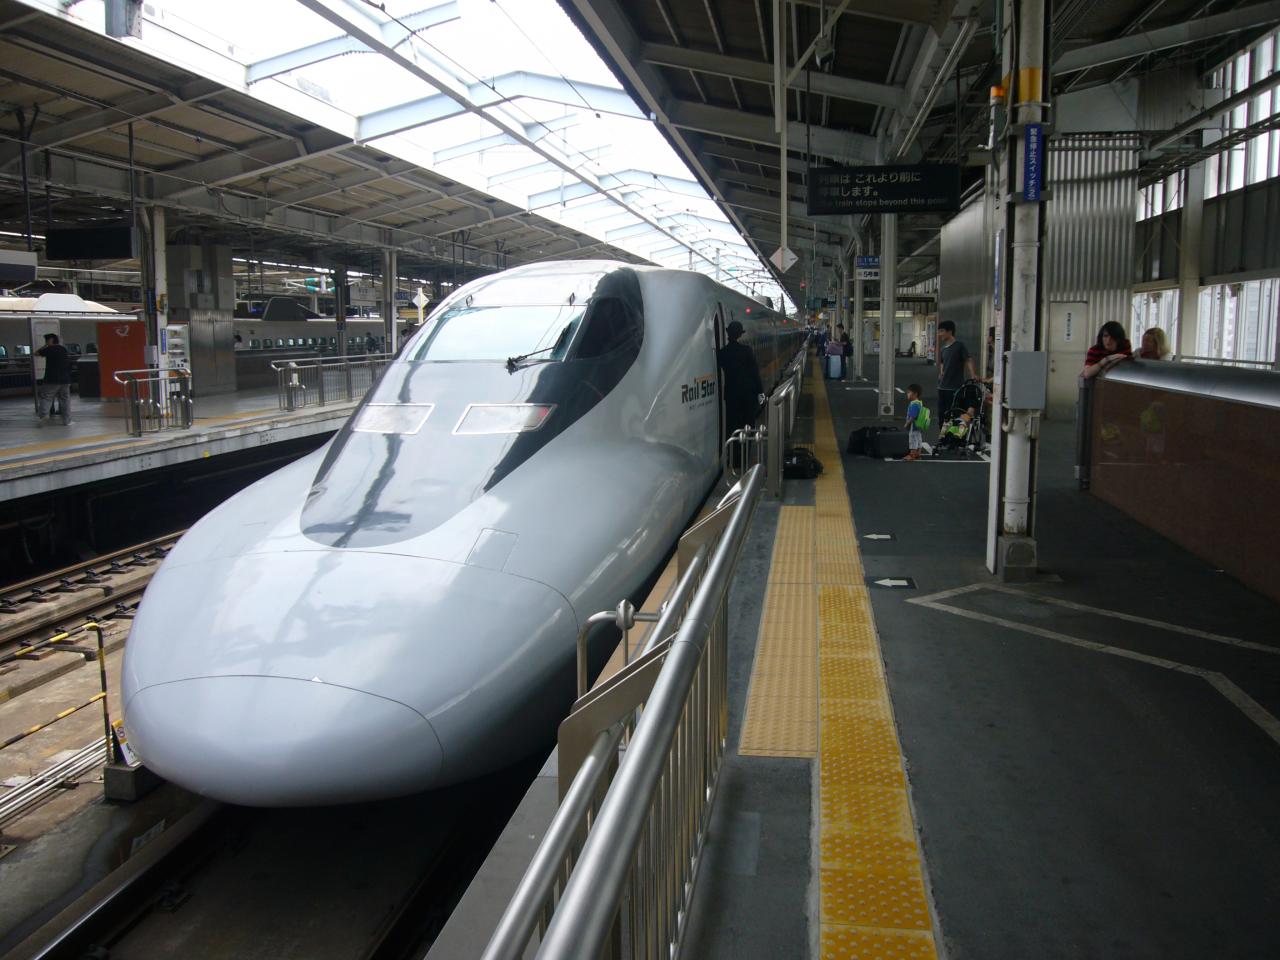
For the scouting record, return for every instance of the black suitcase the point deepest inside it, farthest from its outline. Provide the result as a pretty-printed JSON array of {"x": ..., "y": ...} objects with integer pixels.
[{"x": 891, "y": 444}]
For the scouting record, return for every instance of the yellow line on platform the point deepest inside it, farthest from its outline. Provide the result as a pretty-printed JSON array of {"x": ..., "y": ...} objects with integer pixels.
[
  {"x": 818, "y": 689},
  {"x": 873, "y": 900}
]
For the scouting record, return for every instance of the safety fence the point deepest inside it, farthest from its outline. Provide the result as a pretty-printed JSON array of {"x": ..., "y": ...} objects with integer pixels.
[
  {"x": 639, "y": 760},
  {"x": 748, "y": 446},
  {"x": 155, "y": 400},
  {"x": 94, "y": 754},
  {"x": 320, "y": 381}
]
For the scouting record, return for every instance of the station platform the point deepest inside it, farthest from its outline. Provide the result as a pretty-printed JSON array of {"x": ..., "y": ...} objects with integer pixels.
[
  {"x": 926, "y": 762},
  {"x": 40, "y": 460}
]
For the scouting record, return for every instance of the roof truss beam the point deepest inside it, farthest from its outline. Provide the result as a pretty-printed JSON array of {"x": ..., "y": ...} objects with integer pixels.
[
  {"x": 756, "y": 71},
  {"x": 839, "y": 145},
  {"x": 393, "y": 33},
  {"x": 1163, "y": 38}
]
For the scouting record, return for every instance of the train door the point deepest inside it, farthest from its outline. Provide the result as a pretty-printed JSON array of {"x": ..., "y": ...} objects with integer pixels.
[{"x": 720, "y": 340}]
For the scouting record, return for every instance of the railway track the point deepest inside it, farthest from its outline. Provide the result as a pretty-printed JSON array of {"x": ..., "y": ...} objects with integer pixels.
[
  {"x": 35, "y": 612},
  {"x": 368, "y": 882}
]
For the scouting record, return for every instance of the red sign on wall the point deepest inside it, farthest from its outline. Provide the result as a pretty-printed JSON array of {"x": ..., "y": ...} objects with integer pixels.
[{"x": 122, "y": 345}]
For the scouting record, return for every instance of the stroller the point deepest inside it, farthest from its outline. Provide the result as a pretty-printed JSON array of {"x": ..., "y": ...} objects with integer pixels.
[{"x": 967, "y": 425}]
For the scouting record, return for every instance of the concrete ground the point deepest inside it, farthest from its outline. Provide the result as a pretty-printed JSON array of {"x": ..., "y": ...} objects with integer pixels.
[
  {"x": 98, "y": 421},
  {"x": 1094, "y": 758}
]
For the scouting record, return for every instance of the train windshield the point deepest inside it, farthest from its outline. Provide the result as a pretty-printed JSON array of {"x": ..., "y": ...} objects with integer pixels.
[{"x": 498, "y": 332}]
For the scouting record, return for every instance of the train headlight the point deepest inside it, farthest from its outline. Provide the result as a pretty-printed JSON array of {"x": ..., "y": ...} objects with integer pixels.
[
  {"x": 503, "y": 417},
  {"x": 392, "y": 417}
]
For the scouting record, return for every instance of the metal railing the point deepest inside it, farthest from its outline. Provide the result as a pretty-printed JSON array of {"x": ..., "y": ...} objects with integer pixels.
[
  {"x": 750, "y": 445},
  {"x": 1231, "y": 362},
  {"x": 320, "y": 381},
  {"x": 615, "y": 872},
  {"x": 155, "y": 400},
  {"x": 98, "y": 751}
]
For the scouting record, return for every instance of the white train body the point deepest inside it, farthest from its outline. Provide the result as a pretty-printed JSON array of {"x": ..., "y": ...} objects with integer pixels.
[{"x": 399, "y": 610}]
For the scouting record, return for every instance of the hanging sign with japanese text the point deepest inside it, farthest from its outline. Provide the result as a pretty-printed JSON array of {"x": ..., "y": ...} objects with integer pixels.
[
  {"x": 915, "y": 188},
  {"x": 1032, "y": 161}
]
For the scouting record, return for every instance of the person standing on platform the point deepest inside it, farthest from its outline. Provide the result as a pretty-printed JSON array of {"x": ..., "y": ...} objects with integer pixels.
[
  {"x": 917, "y": 420},
  {"x": 743, "y": 391},
  {"x": 847, "y": 344},
  {"x": 57, "y": 380},
  {"x": 954, "y": 361}
]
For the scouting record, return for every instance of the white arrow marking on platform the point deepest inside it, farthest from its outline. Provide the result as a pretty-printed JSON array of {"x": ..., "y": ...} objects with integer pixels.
[
  {"x": 878, "y": 536},
  {"x": 891, "y": 582}
]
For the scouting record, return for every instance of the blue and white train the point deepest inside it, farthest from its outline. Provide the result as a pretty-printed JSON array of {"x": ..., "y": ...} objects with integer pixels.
[{"x": 398, "y": 611}]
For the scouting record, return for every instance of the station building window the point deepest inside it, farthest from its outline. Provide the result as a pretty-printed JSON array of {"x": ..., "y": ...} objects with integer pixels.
[
  {"x": 1156, "y": 308},
  {"x": 1163, "y": 196},
  {"x": 1238, "y": 322},
  {"x": 1258, "y": 157}
]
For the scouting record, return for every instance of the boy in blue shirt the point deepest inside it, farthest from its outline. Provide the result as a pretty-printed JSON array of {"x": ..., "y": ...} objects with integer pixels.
[{"x": 916, "y": 413}]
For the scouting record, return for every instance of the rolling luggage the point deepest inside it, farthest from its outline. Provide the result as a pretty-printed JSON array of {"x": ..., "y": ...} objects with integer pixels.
[
  {"x": 890, "y": 444},
  {"x": 835, "y": 367}
]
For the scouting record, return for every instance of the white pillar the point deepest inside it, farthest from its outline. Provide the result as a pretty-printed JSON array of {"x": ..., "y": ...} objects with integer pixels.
[
  {"x": 856, "y": 333},
  {"x": 159, "y": 274},
  {"x": 390, "y": 266},
  {"x": 1189, "y": 269},
  {"x": 888, "y": 308},
  {"x": 1016, "y": 555}
]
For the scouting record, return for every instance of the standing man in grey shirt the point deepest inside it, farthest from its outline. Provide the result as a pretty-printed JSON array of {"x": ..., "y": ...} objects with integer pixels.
[{"x": 954, "y": 361}]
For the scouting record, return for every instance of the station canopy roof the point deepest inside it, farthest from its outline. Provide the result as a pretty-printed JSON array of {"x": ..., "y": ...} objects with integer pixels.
[{"x": 490, "y": 126}]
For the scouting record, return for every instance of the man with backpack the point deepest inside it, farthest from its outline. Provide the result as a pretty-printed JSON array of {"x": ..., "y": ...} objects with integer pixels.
[{"x": 917, "y": 421}]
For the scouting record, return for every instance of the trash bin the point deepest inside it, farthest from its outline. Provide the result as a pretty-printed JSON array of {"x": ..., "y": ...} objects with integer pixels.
[{"x": 87, "y": 379}]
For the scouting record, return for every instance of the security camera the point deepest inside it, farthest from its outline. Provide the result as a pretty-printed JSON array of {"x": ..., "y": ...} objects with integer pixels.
[{"x": 823, "y": 50}]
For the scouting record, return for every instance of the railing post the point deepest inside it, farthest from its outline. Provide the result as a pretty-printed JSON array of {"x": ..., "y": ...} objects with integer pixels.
[
  {"x": 1084, "y": 433},
  {"x": 110, "y": 744},
  {"x": 346, "y": 370},
  {"x": 134, "y": 412}
]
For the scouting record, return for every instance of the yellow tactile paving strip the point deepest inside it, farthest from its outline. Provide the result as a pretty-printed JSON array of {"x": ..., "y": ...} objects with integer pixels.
[
  {"x": 818, "y": 641},
  {"x": 782, "y": 717}
]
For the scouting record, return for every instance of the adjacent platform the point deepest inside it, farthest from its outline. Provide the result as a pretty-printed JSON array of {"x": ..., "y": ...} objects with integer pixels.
[{"x": 35, "y": 460}]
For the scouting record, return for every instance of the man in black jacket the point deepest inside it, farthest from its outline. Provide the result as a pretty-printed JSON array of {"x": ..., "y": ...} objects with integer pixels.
[
  {"x": 743, "y": 391},
  {"x": 57, "y": 379}
]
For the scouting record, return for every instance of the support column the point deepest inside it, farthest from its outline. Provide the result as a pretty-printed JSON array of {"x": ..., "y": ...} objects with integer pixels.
[
  {"x": 159, "y": 275},
  {"x": 888, "y": 308},
  {"x": 390, "y": 266},
  {"x": 1025, "y": 56},
  {"x": 856, "y": 332},
  {"x": 1189, "y": 269},
  {"x": 340, "y": 308}
]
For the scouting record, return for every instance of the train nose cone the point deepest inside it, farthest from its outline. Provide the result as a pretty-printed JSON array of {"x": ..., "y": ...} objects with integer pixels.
[{"x": 271, "y": 741}]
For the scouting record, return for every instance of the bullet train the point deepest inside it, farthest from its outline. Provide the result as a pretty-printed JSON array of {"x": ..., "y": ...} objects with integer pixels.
[{"x": 398, "y": 611}]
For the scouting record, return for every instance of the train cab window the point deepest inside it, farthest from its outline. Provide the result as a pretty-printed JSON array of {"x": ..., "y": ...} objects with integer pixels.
[{"x": 611, "y": 324}]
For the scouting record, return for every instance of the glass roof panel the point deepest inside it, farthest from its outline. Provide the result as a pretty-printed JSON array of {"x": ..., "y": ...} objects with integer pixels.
[{"x": 525, "y": 132}]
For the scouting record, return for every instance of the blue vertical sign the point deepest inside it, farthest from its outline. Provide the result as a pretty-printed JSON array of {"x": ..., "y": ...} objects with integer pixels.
[{"x": 1032, "y": 161}]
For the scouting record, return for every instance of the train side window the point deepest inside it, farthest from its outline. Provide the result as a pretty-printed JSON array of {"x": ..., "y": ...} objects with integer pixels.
[
  {"x": 24, "y": 350},
  {"x": 610, "y": 326},
  {"x": 73, "y": 348},
  {"x": 4, "y": 351},
  {"x": 90, "y": 348}
]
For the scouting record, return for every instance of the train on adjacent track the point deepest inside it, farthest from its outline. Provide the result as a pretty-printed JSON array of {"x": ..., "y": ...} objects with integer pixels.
[{"x": 399, "y": 610}]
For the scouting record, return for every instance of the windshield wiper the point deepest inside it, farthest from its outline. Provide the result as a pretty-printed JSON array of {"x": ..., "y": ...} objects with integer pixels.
[{"x": 513, "y": 362}]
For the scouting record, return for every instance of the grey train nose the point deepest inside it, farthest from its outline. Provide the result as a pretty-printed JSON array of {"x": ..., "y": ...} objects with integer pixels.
[{"x": 280, "y": 742}]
